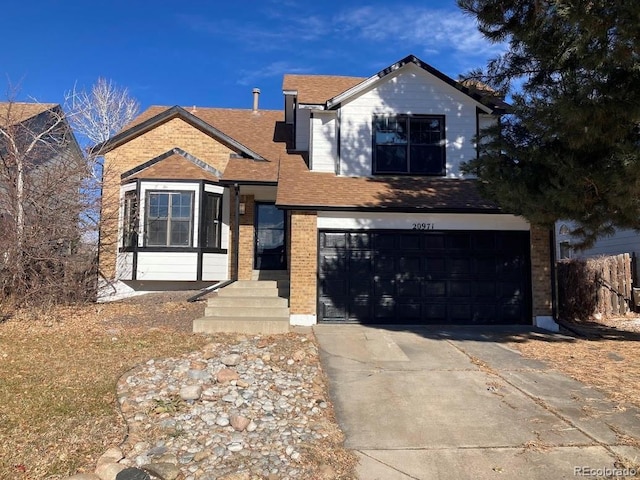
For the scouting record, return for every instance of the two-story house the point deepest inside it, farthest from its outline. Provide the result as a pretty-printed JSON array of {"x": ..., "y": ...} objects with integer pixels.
[
  {"x": 353, "y": 192},
  {"x": 41, "y": 172}
]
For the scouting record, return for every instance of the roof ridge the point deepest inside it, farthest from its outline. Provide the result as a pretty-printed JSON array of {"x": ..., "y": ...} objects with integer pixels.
[
  {"x": 321, "y": 75},
  {"x": 189, "y": 108}
]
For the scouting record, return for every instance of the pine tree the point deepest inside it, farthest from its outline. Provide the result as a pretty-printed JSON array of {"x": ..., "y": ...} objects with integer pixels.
[{"x": 569, "y": 148}]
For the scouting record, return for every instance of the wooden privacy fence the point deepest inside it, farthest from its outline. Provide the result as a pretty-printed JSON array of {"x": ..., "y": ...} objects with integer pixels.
[{"x": 599, "y": 285}]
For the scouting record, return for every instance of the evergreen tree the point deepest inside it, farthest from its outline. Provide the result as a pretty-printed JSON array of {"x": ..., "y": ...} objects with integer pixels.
[{"x": 569, "y": 148}]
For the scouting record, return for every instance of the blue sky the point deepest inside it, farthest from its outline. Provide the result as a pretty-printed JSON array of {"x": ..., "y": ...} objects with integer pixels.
[{"x": 212, "y": 53}]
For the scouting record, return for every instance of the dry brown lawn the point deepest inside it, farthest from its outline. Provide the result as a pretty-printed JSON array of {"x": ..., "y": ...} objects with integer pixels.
[
  {"x": 607, "y": 357},
  {"x": 58, "y": 371}
]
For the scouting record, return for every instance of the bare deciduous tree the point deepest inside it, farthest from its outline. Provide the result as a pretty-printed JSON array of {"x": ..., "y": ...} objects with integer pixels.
[
  {"x": 50, "y": 188},
  {"x": 95, "y": 116},
  {"x": 41, "y": 170}
]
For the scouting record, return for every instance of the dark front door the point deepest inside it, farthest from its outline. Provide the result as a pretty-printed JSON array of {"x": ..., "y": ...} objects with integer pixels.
[
  {"x": 269, "y": 238},
  {"x": 408, "y": 277}
]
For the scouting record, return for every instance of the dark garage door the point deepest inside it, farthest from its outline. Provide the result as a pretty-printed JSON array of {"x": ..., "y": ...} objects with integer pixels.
[{"x": 424, "y": 277}]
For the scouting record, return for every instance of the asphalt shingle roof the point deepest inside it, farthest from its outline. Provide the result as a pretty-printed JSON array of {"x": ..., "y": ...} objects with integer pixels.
[
  {"x": 173, "y": 166},
  {"x": 299, "y": 187},
  {"x": 317, "y": 89}
]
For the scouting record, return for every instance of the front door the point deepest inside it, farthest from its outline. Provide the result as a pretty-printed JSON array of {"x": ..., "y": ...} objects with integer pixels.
[{"x": 269, "y": 238}]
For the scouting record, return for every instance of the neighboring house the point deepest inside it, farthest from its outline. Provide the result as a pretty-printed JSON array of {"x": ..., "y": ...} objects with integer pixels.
[
  {"x": 622, "y": 241},
  {"x": 41, "y": 169},
  {"x": 354, "y": 192}
]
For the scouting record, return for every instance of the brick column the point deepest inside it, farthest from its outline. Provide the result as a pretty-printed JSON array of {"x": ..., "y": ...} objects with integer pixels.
[
  {"x": 247, "y": 238},
  {"x": 304, "y": 267},
  {"x": 541, "y": 277}
]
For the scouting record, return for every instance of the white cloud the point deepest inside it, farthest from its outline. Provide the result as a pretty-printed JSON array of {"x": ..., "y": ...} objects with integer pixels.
[
  {"x": 281, "y": 32},
  {"x": 326, "y": 37},
  {"x": 430, "y": 30},
  {"x": 274, "y": 69}
]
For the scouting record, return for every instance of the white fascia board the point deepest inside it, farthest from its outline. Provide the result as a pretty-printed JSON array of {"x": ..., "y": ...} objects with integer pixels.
[
  {"x": 310, "y": 106},
  {"x": 352, "y": 91},
  {"x": 290, "y": 92}
]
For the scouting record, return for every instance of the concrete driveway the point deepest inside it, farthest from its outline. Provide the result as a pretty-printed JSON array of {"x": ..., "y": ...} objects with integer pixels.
[{"x": 433, "y": 403}]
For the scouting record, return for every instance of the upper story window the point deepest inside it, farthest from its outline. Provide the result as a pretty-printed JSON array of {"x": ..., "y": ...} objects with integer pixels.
[
  {"x": 169, "y": 219},
  {"x": 409, "y": 145}
]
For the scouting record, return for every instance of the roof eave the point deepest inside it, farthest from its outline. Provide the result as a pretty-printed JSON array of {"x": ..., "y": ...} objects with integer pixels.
[
  {"x": 382, "y": 208},
  {"x": 268, "y": 183}
]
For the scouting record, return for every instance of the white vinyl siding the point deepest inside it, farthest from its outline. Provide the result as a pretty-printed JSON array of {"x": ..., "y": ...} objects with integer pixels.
[
  {"x": 215, "y": 266},
  {"x": 324, "y": 150},
  {"x": 175, "y": 266},
  {"x": 124, "y": 266},
  {"x": 410, "y": 91},
  {"x": 302, "y": 129}
]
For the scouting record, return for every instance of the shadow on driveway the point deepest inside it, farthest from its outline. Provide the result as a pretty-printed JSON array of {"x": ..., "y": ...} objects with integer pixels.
[{"x": 455, "y": 402}]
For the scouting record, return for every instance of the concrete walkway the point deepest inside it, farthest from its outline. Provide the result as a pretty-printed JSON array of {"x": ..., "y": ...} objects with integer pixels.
[{"x": 457, "y": 403}]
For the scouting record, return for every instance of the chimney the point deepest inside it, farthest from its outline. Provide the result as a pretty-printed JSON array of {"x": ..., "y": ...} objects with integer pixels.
[{"x": 256, "y": 97}]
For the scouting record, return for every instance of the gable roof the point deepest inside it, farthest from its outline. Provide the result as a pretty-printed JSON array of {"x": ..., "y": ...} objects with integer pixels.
[
  {"x": 490, "y": 101},
  {"x": 175, "y": 163},
  {"x": 332, "y": 90},
  {"x": 156, "y": 115},
  {"x": 316, "y": 89},
  {"x": 12, "y": 113},
  {"x": 263, "y": 134}
]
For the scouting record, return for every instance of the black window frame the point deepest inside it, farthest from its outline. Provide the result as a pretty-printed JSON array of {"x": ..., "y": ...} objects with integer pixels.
[
  {"x": 147, "y": 219},
  {"x": 207, "y": 221},
  {"x": 440, "y": 143},
  {"x": 130, "y": 219}
]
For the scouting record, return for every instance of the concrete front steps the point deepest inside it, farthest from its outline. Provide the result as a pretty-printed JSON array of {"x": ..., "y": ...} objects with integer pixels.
[{"x": 247, "y": 306}]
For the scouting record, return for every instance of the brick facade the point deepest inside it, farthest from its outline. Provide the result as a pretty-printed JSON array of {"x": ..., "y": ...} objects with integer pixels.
[
  {"x": 541, "y": 271},
  {"x": 174, "y": 133},
  {"x": 303, "y": 263}
]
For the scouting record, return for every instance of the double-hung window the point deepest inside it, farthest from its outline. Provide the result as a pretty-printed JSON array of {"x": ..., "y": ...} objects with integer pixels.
[
  {"x": 169, "y": 219},
  {"x": 409, "y": 145}
]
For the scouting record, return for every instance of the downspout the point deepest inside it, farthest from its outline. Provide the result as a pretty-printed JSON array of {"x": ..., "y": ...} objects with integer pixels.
[
  {"x": 554, "y": 275},
  {"x": 236, "y": 233}
]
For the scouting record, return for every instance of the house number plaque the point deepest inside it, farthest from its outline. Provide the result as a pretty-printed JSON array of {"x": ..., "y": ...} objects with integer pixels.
[{"x": 422, "y": 226}]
